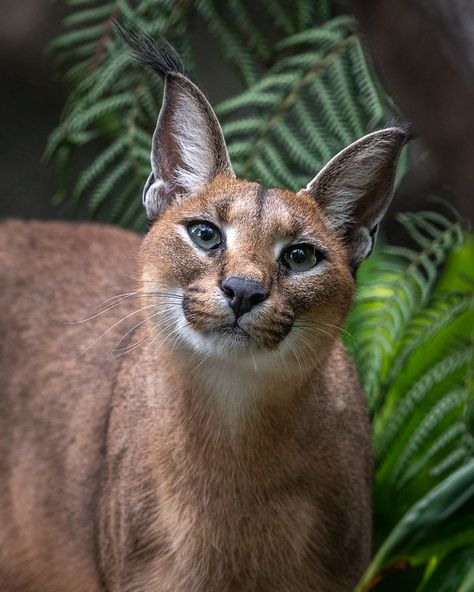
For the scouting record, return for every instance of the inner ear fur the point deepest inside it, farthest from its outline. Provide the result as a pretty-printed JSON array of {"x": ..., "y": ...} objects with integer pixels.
[
  {"x": 356, "y": 186},
  {"x": 188, "y": 147}
]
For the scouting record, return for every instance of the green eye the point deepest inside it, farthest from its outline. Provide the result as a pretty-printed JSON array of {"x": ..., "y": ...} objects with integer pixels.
[
  {"x": 301, "y": 257},
  {"x": 204, "y": 235}
]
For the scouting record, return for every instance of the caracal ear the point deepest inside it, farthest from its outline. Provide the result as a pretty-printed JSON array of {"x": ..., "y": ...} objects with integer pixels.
[
  {"x": 356, "y": 186},
  {"x": 188, "y": 148}
]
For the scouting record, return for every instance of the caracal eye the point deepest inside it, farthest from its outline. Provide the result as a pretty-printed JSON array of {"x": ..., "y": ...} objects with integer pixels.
[
  {"x": 301, "y": 257},
  {"x": 205, "y": 235}
]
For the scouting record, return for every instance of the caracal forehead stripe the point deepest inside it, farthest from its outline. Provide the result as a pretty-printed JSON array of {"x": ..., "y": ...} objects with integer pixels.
[
  {"x": 260, "y": 211},
  {"x": 244, "y": 205},
  {"x": 260, "y": 195}
]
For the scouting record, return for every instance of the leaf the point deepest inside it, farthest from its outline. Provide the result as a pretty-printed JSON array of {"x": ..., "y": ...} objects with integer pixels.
[
  {"x": 396, "y": 292},
  {"x": 421, "y": 520},
  {"x": 318, "y": 72},
  {"x": 453, "y": 573}
]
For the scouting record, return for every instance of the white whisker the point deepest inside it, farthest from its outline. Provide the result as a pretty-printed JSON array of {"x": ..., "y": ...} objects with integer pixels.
[
  {"x": 112, "y": 327},
  {"x": 133, "y": 346},
  {"x": 98, "y": 314}
]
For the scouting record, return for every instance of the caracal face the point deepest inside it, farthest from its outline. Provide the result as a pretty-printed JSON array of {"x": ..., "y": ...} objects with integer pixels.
[{"x": 273, "y": 238}]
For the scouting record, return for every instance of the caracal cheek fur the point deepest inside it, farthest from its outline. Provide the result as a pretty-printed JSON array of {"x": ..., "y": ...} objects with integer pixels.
[{"x": 227, "y": 447}]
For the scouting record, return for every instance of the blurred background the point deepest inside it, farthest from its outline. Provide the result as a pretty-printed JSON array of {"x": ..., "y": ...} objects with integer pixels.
[
  {"x": 33, "y": 95},
  {"x": 423, "y": 53},
  {"x": 30, "y": 102}
]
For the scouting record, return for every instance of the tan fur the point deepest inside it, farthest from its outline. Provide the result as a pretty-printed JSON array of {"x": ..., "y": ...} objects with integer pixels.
[{"x": 162, "y": 469}]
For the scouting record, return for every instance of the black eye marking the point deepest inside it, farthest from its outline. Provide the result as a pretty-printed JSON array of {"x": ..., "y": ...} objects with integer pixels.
[
  {"x": 205, "y": 235},
  {"x": 301, "y": 257}
]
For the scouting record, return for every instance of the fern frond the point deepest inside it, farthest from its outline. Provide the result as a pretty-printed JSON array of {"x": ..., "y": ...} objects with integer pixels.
[
  {"x": 113, "y": 96},
  {"x": 434, "y": 318},
  {"x": 99, "y": 165},
  {"x": 75, "y": 37},
  {"x": 447, "y": 439},
  {"x": 384, "y": 306},
  {"x": 292, "y": 119},
  {"x": 110, "y": 182},
  {"x": 450, "y": 463},
  {"x": 404, "y": 407},
  {"x": 79, "y": 2},
  {"x": 234, "y": 48},
  {"x": 318, "y": 72},
  {"x": 452, "y": 401},
  {"x": 87, "y": 15}
]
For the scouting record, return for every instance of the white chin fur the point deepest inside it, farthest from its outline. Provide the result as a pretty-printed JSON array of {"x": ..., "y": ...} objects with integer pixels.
[
  {"x": 235, "y": 347},
  {"x": 214, "y": 344}
]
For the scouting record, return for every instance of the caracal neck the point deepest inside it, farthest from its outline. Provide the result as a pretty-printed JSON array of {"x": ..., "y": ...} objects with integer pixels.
[{"x": 239, "y": 393}]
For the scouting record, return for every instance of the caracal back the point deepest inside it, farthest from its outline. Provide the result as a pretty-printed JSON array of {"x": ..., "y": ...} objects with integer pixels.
[{"x": 53, "y": 403}]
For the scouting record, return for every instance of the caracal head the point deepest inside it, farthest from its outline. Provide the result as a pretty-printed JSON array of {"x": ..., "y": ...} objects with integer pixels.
[{"x": 236, "y": 269}]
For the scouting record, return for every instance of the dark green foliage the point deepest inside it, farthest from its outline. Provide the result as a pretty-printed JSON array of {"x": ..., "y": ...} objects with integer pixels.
[
  {"x": 308, "y": 90},
  {"x": 114, "y": 98},
  {"x": 317, "y": 98},
  {"x": 412, "y": 340}
]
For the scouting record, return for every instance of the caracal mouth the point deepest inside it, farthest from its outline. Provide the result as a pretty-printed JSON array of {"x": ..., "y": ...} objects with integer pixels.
[
  {"x": 233, "y": 329},
  {"x": 230, "y": 334},
  {"x": 228, "y": 339}
]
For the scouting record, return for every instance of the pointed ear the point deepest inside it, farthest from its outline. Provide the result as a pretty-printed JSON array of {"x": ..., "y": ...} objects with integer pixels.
[
  {"x": 188, "y": 147},
  {"x": 355, "y": 188}
]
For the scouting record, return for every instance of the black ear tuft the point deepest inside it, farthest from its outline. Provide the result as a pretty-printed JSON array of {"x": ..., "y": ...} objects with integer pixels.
[
  {"x": 160, "y": 56},
  {"x": 410, "y": 131},
  {"x": 406, "y": 126}
]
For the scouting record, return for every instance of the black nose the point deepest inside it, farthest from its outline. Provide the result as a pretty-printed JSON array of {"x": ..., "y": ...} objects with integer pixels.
[{"x": 243, "y": 294}]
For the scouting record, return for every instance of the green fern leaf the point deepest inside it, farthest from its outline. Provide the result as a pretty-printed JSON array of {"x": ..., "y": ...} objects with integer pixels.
[
  {"x": 452, "y": 401},
  {"x": 388, "y": 426},
  {"x": 402, "y": 288},
  {"x": 450, "y": 437},
  {"x": 319, "y": 73}
]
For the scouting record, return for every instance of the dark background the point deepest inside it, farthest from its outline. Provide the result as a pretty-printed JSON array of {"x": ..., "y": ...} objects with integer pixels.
[
  {"x": 32, "y": 96},
  {"x": 30, "y": 103}
]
